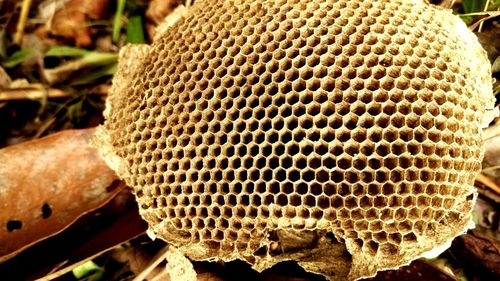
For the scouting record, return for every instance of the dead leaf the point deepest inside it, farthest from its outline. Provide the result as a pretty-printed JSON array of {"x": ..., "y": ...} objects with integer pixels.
[
  {"x": 156, "y": 13},
  {"x": 46, "y": 184},
  {"x": 159, "y": 9},
  {"x": 90, "y": 236},
  {"x": 71, "y": 20},
  {"x": 478, "y": 253},
  {"x": 418, "y": 270},
  {"x": 127, "y": 225}
]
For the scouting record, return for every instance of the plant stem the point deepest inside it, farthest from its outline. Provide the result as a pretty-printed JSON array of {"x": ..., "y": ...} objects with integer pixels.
[{"x": 18, "y": 37}]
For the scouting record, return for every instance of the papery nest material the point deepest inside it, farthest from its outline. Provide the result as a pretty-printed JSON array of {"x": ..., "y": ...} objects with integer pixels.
[{"x": 344, "y": 135}]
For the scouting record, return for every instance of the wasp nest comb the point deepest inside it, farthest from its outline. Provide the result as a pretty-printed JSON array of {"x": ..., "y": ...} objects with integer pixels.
[{"x": 344, "y": 135}]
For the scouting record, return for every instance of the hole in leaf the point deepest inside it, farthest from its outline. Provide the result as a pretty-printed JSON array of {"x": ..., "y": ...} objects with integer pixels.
[
  {"x": 46, "y": 211},
  {"x": 14, "y": 225}
]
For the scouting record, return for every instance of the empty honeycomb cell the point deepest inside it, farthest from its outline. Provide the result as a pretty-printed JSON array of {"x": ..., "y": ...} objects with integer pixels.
[{"x": 249, "y": 121}]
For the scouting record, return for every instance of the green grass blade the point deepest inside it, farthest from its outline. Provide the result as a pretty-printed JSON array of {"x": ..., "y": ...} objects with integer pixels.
[
  {"x": 98, "y": 58},
  {"x": 86, "y": 269},
  {"x": 135, "y": 31},
  {"x": 93, "y": 75},
  {"x": 17, "y": 58},
  {"x": 471, "y": 6},
  {"x": 117, "y": 21},
  {"x": 65, "y": 51}
]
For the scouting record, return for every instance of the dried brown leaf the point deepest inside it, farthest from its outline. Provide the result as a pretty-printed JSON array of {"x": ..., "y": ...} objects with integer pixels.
[
  {"x": 126, "y": 226},
  {"x": 156, "y": 13},
  {"x": 479, "y": 253},
  {"x": 71, "y": 21},
  {"x": 159, "y": 9},
  {"x": 46, "y": 184},
  {"x": 90, "y": 236}
]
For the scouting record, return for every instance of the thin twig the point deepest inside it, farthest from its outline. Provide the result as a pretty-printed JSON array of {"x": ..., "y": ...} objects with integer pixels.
[
  {"x": 447, "y": 4},
  {"x": 31, "y": 93},
  {"x": 492, "y": 168},
  {"x": 492, "y": 14},
  {"x": 18, "y": 37},
  {"x": 485, "y": 9},
  {"x": 69, "y": 268},
  {"x": 37, "y": 91},
  {"x": 155, "y": 261}
]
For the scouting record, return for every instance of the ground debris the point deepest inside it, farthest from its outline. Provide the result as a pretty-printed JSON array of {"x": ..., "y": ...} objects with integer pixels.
[{"x": 71, "y": 20}]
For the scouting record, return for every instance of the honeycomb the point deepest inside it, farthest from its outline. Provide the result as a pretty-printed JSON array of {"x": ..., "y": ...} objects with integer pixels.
[{"x": 325, "y": 132}]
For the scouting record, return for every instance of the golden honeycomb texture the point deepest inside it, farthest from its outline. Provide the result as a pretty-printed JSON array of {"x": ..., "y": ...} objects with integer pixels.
[{"x": 357, "y": 123}]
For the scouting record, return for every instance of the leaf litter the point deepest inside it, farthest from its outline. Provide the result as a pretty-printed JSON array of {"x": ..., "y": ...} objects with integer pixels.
[{"x": 54, "y": 76}]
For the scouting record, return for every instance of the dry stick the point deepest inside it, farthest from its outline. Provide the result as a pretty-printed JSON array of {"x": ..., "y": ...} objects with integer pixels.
[
  {"x": 492, "y": 14},
  {"x": 67, "y": 269},
  {"x": 18, "y": 37},
  {"x": 448, "y": 4},
  {"x": 157, "y": 259},
  {"x": 35, "y": 93},
  {"x": 31, "y": 93},
  {"x": 488, "y": 183},
  {"x": 163, "y": 276},
  {"x": 485, "y": 10},
  {"x": 492, "y": 168}
]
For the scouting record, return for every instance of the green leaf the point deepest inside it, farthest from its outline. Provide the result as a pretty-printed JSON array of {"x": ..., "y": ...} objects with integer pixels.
[
  {"x": 467, "y": 19},
  {"x": 98, "y": 58},
  {"x": 86, "y": 62},
  {"x": 86, "y": 269},
  {"x": 74, "y": 111},
  {"x": 65, "y": 51},
  {"x": 17, "y": 58},
  {"x": 117, "y": 21},
  {"x": 99, "y": 23},
  {"x": 471, "y": 6},
  {"x": 135, "y": 31},
  {"x": 95, "y": 74}
]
